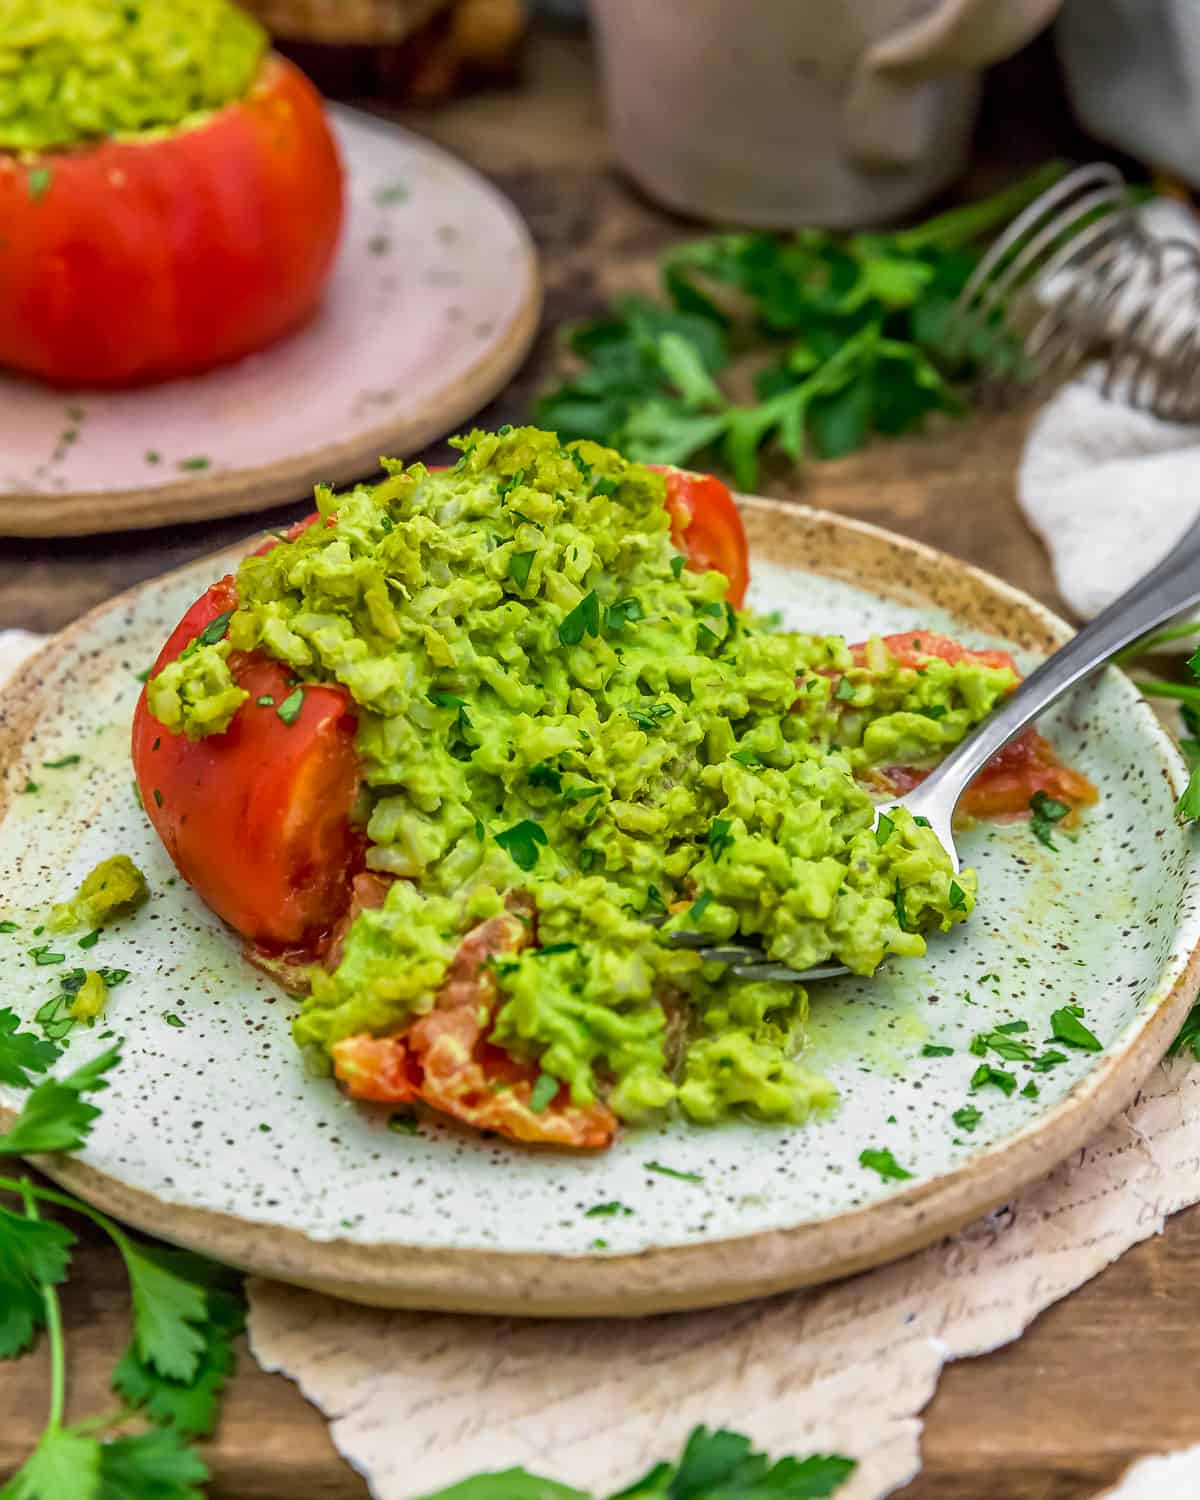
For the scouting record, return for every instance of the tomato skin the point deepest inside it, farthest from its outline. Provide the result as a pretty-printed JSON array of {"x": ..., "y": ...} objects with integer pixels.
[
  {"x": 257, "y": 819},
  {"x": 706, "y": 527},
  {"x": 132, "y": 261}
]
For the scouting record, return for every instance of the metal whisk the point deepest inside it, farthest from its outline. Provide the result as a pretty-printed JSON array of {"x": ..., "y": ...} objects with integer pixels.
[{"x": 1077, "y": 278}]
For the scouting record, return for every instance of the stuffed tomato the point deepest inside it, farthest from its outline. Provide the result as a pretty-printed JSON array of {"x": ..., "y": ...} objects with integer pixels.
[
  {"x": 440, "y": 752},
  {"x": 174, "y": 205}
]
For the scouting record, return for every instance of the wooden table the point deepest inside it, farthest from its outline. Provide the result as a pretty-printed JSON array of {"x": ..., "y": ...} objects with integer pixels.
[{"x": 1099, "y": 1379}]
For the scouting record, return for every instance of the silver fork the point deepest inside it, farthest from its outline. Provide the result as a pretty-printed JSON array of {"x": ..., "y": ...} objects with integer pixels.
[{"x": 1169, "y": 588}]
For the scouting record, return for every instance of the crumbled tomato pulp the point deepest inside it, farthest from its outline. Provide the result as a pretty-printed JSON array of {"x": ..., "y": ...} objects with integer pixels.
[
  {"x": 445, "y": 1060},
  {"x": 1009, "y": 782}
]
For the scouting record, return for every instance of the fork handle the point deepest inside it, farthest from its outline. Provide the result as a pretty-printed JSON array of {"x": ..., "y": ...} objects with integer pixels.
[{"x": 1162, "y": 593}]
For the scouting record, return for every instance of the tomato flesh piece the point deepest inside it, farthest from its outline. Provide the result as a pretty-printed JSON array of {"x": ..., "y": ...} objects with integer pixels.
[
  {"x": 445, "y": 1060},
  {"x": 257, "y": 819},
  {"x": 1010, "y": 779}
]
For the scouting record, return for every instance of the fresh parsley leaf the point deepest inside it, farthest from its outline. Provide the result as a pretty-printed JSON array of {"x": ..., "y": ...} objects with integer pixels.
[
  {"x": 882, "y": 1161},
  {"x": 1067, "y": 1027},
  {"x": 967, "y": 1117},
  {"x": 519, "y": 565},
  {"x": 153, "y": 1465},
  {"x": 1003, "y": 1044},
  {"x": 1045, "y": 812},
  {"x": 884, "y": 828},
  {"x": 508, "y": 1484},
  {"x": 170, "y": 1308},
  {"x": 189, "y": 1406},
  {"x": 985, "y": 1074},
  {"x": 665, "y": 1171},
  {"x": 958, "y": 897},
  {"x": 700, "y": 905},
  {"x": 747, "y": 758},
  {"x": 523, "y": 842},
  {"x": 844, "y": 692},
  {"x": 624, "y": 612},
  {"x": 63, "y": 1463},
  {"x": 583, "y": 620},
  {"x": 1012, "y": 1028},
  {"x": 544, "y": 1091},
  {"x": 506, "y": 486},
  {"x": 33, "y": 1252},
  {"x": 1031, "y": 1090},
  {"x": 289, "y": 709},
  {"x": 55, "y": 1117},
  {"x": 1189, "y": 1035},
  {"x": 22, "y": 1053},
  {"x": 608, "y": 1211},
  {"x": 581, "y": 793},
  {"x": 650, "y": 718},
  {"x": 932, "y": 1049},
  {"x": 677, "y": 563},
  {"x": 901, "y": 912},
  {"x": 545, "y": 775},
  {"x": 10, "y": 927},
  {"x": 1187, "y": 809},
  {"x": 1048, "y": 1060},
  {"x": 719, "y": 838}
]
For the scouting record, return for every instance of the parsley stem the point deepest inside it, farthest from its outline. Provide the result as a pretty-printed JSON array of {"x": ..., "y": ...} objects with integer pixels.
[
  {"x": 1152, "y": 688},
  {"x": 63, "y": 1200},
  {"x": 1158, "y": 638},
  {"x": 54, "y": 1332}
]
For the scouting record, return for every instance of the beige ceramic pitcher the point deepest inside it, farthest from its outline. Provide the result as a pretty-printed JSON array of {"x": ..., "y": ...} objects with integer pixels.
[{"x": 787, "y": 112}]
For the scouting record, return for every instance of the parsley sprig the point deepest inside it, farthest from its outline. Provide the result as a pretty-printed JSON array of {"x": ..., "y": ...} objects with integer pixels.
[
  {"x": 855, "y": 330},
  {"x": 186, "y": 1311},
  {"x": 718, "y": 1465}
]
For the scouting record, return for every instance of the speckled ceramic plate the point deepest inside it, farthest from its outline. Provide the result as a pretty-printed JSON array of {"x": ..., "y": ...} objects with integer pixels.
[
  {"x": 432, "y": 305},
  {"x": 213, "y": 1136}
]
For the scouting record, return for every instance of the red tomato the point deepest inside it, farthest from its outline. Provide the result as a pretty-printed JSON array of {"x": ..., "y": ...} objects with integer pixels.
[
  {"x": 445, "y": 1060},
  {"x": 134, "y": 261},
  {"x": 706, "y": 526},
  {"x": 1009, "y": 780},
  {"x": 257, "y": 819}
]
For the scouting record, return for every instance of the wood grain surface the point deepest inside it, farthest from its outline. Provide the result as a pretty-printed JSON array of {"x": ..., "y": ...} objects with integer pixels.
[{"x": 1098, "y": 1380}]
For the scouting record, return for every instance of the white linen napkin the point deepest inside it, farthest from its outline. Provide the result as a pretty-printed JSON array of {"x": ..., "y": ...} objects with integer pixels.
[{"x": 1109, "y": 488}]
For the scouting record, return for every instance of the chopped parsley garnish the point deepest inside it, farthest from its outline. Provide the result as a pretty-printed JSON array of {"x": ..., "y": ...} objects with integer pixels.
[
  {"x": 652, "y": 717},
  {"x": 1012, "y": 1028},
  {"x": 700, "y": 905},
  {"x": 608, "y": 1211},
  {"x": 158, "y": 797},
  {"x": 882, "y": 1161},
  {"x": 583, "y": 620},
  {"x": 1069, "y": 1029},
  {"x": 152, "y": 456},
  {"x": 1031, "y": 1090},
  {"x": 38, "y": 182},
  {"x": 9, "y": 927},
  {"x": 172, "y": 1019},
  {"x": 1045, "y": 812},
  {"x": 934, "y": 1049},
  {"x": 551, "y": 948},
  {"x": 519, "y": 564},
  {"x": 581, "y": 793},
  {"x": 265, "y": 701},
  {"x": 624, "y": 612},
  {"x": 213, "y": 632},
  {"x": 746, "y": 758},
  {"x": 289, "y": 709},
  {"x": 719, "y": 838},
  {"x": 884, "y": 829},
  {"x": 604, "y": 487},
  {"x": 967, "y": 1117},
  {"x": 62, "y": 762},
  {"x": 523, "y": 842},
  {"x": 677, "y": 563},
  {"x": 31, "y": 787},
  {"x": 195, "y": 463},
  {"x": 42, "y": 956},
  {"x": 544, "y": 1092},
  {"x": 654, "y": 900},
  {"x": 90, "y": 940},
  {"x": 506, "y": 486},
  {"x": 1003, "y": 1044},
  {"x": 985, "y": 1074},
  {"x": 901, "y": 913},
  {"x": 958, "y": 897},
  {"x": 935, "y": 711},
  {"x": 402, "y": 1124},
  {"x": 665, "y": 1171},
  {"x": 844, "y": 690},
  {"x": 922, "y": 822},
  {"x": 545, "y": 775}
]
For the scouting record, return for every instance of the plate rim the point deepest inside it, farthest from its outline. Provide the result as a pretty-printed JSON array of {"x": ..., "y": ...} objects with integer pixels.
[
  {"x": 670, "y": 1278},
  {"x": 236, "y": 492}
]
